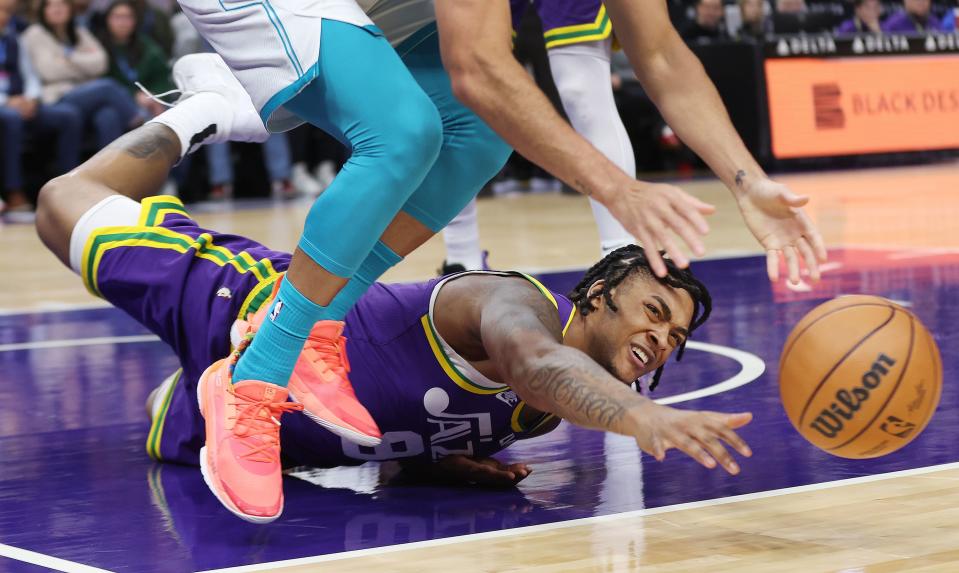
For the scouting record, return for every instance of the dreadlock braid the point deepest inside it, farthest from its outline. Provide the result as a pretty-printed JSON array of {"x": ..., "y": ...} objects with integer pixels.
[{"x": 623, "y": 262}]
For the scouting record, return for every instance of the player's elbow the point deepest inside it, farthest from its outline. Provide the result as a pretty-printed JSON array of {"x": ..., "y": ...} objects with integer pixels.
[
  {"x": 528, "y": 374},
  {"x": 471, "y": 74}
]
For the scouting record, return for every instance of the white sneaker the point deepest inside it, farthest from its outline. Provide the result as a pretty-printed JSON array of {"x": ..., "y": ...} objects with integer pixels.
[
  {"x": 304, "y": 182},
  {"x": 207, "y": 72},
  {"x": 325, "y": 173}
]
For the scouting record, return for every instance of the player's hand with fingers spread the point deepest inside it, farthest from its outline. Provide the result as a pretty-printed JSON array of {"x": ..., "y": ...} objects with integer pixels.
[
  {"x": 775, "y": 216},
  {"x": 653, "y": 212},
  {"x": 700, "y": 434}
]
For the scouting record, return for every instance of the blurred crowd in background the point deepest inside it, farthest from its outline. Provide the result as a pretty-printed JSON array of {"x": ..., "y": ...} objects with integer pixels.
[{"x": 77, "y": 74}]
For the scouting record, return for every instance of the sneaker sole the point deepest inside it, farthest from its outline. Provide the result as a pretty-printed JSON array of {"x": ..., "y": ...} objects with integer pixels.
[
  {"x": 208, "y": 475},
  {"x": 342, "y": 431}
]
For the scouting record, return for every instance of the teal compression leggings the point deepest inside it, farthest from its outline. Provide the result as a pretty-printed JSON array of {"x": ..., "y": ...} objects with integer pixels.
[{"x": 414, "y": 147}]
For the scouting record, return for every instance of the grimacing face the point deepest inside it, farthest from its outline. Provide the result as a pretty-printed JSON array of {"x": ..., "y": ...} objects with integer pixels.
[{"x": 651, "y": 322}]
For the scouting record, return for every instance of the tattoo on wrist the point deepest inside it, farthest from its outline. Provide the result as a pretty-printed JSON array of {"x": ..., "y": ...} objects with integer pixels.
[
  {"x": 563, "y": 385},
  {"x": 150, "y": 142},
  {"x": 740, "y": 176}
]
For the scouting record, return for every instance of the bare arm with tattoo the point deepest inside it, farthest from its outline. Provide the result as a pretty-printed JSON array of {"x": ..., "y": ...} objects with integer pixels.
[
  {"x": 135, "y": 165},
  {"x": 521, "y": 334}
]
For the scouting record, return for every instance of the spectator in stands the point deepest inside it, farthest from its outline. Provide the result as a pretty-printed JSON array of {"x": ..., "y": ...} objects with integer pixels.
[
  {"x": 795, "y": 17},
  {"x": 915, "y": 17},
  {"x": 755, "y": 24},
  {"x": 154, "y": 23},
  {"x": 71, "y": 63},
  {"x": 708, "y": 24},
  {"x": 865, "y": 19},
  {"x": 135, "y": 57},
  {"x": 21, "y": 114},
  {"x": 276, "y": 157},
  {"x": 950, "y": 22},
  {"x": 17, "y": 23}
]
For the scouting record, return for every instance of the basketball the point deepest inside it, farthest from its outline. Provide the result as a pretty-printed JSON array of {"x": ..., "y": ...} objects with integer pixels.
[{"x": 860, "y": 376}]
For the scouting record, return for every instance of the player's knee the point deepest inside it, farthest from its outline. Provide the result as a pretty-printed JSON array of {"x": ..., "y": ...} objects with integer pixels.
[
  {"x": 410, "y": 142},
  {"x": 421, "y": 131},
  {"x": 52, "y": 195},
  {"x": 488, "y": 154},
  {"x": 576, "y": 96}
]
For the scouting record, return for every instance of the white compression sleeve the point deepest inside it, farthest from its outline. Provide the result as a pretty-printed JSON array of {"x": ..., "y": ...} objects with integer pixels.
[
  {"x": 461, "y": 237},
  {"x": 582, "y": 76}
]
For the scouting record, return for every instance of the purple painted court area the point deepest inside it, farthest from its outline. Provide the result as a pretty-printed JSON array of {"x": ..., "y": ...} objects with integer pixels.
[{"x": 76, "y": 482}]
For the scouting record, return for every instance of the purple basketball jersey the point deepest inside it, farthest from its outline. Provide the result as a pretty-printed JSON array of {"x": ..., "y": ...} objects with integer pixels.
[{"x": 188, "y": 285}]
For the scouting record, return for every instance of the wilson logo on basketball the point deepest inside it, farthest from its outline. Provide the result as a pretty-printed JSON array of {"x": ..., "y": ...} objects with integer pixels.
[{"x": 832, "y": 420}]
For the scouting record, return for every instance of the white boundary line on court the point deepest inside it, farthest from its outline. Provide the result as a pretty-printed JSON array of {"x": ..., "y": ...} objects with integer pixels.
[
  {"x": 42, "y": 560},
  {"x": 752, "y": 368},
  {"x": 532, "y": 529},
  {"x": 57, "y": 307},
  {"x": 42, "y": 344}
]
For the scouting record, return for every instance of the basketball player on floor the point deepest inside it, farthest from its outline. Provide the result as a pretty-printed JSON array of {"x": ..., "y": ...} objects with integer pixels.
[
  {"x": 579, "y": 41},
  {"x": 410, "y": 137},
  {"x": 497, "y": 348}
]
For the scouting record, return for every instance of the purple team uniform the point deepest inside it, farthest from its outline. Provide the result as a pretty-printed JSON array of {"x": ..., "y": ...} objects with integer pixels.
[
  {"x": 188, "y": 285},
  {"x": 567, "y": 22}
]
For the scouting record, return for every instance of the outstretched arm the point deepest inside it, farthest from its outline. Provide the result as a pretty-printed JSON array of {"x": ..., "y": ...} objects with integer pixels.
[
  {"x": 475, "y": 42},
  {"x": 522, "y": 336},
  {"x": 677, "y": 83}
]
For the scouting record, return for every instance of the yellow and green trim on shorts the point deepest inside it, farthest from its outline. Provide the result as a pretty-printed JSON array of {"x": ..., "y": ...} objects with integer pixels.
[
  {"x": 600, "y": 29},
  {"x": 460, "y": 379},
  {"x": 159, "y": 418},
  {"x": 146, "y": 233}
]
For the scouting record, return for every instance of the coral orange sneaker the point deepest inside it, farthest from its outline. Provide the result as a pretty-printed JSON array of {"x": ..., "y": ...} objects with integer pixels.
[
  {"x": 321, "y": 383},
  {"x": 241, "y": 459},
  {"x": 320, "y": 380}
]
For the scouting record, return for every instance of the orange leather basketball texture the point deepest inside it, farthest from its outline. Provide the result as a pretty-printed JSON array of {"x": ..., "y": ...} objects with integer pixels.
[{"x": 860, "y": 376}]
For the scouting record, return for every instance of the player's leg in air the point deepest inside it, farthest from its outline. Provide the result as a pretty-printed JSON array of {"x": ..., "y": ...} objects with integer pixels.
[
  {"x": 471, "y": 155},
  {"x": 581, "y": 71},
  {"x": 578, "y": 41},
  {"x": 186, "y": 284},
  {"x": 323, "y": 63}
]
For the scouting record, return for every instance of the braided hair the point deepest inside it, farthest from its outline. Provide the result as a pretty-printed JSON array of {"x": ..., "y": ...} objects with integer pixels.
[{"x": 625, "y": 261}]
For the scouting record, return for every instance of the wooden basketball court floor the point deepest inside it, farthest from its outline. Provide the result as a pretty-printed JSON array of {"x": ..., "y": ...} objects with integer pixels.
[{"x": 78, "y": 493}]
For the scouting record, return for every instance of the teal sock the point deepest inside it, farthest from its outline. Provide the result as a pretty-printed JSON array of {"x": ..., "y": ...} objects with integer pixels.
[
  {"x": 380, "y": 259},
  {"x": 278, "y": 343}
]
